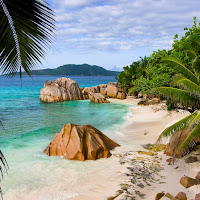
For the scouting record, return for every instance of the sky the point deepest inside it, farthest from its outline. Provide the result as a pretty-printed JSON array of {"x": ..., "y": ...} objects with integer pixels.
[{"x": 114, "y": 33}]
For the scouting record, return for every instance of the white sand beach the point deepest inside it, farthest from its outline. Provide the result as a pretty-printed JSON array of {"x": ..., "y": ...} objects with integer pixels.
[{"x": 143, "y": 126}]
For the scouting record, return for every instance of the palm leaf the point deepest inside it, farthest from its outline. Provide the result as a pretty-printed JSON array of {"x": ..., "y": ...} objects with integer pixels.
[
  {"x": 177, "y": 78},
  {"x": 25, "y": 35},
  {"x": 177, "y": 95},
  {"x": 195, "y": 134},
  {"x": 196, "y": 66},
  {"x": 193, "y": 122},
  {"x": 189, "y": 86},
  {"x": 195, "y": 39},
  {"x": 180, "y": 68},
  {"x": 180, "y": 125},
  {"x": 191, "y": 52}
]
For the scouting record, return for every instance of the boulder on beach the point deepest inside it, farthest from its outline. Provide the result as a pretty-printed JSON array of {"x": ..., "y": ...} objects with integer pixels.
[
  {"x": 62, "y": 89},
  {"x": 80, "y": 143},
  {"x": 175, "y": 141},
  {"x": 113, "y": 89},
  {"x": 181, "y": 196},
  {"x": 97, "y": 98},
  {"x": 187, "y": 182}
]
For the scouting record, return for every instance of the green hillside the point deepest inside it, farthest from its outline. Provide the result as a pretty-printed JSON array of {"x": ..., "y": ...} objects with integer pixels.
[{"x": 76, "y": 70}]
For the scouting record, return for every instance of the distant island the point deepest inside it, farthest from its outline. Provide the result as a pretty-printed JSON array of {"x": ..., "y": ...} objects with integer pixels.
[{"x": 76, "y": 70}]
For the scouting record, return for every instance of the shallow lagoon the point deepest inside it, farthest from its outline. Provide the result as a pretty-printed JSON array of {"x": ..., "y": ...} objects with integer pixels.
[{"x": 30, "y": 125}]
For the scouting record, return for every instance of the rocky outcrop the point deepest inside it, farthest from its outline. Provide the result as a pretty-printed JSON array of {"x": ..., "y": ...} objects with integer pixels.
[
  {"x": 62, "y": 89},
  {"x": 97, "y": 98},
  {"x": 115, "y": 91},
  {"x": 111, "y": 90},
  {"x": 65, "y": 89},
  {"x": 80, "y": 143}
]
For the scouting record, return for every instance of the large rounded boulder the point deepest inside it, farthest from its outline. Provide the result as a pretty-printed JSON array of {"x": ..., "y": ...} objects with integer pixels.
[
  {"x": 80, "y": 143},
  {"x": 62, "y": 89},
  {"x": 115, "y": 91}
]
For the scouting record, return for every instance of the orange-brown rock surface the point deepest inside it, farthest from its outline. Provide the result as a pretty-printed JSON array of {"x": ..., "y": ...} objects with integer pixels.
[
  {"x": 80, "y": 143},
  {"x": 174, "y": 142}
]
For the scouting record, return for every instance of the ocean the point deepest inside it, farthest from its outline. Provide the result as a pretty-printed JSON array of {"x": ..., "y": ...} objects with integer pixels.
[{"x": 29, "y": 126}]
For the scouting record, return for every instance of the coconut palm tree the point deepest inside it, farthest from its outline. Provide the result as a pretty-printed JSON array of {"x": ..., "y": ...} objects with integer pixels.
[
  {"x": 187, "y": 92},
  {"x": 26, "y": 30}
]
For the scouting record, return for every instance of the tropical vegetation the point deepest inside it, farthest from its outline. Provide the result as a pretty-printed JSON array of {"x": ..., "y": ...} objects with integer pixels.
[
  {"x": 175, "y": 76},
  {"x": 147, "y": 73},
  {"x": 131, "y": 73},
  {"x": 187, "y": 92}
]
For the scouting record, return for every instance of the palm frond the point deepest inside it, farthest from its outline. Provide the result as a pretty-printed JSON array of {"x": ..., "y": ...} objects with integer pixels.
[
  {"x": 177, "y": 78},
  {"x": 195, "y": 39},
  {"x": 177, "y": 95},
  {"x": 180, "y": 125},
  {"x": 26, "y": 33},
  {"x": 180, "y": 68},
  {"x": 191, "y": 52},
  {"x": 189, "y": 86},
  {"x": 195, "y": 134},
  {"x": 196, "y": 66},
  {"x": 193, "y": 123}
]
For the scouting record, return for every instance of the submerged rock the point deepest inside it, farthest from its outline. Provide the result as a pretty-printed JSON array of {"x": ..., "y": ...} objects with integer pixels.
[
  {"x": 80, "y": 143},
  {"x": 62, "y": 89}
]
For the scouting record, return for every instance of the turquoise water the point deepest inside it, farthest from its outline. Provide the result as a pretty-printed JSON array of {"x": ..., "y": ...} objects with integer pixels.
[{"x": 29, "y": 127}]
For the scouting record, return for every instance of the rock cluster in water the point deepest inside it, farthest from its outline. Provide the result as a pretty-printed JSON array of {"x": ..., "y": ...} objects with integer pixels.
[
  {"x": 65, "y": 89},
  {"x": 80, "y": 143}
]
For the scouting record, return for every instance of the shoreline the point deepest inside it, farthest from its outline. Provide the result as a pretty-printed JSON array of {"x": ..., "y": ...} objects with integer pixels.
[
  {"x": 127, "y": 171},
  {"x": 153, "y": 174},
  {"x": 144, "y": 127}
]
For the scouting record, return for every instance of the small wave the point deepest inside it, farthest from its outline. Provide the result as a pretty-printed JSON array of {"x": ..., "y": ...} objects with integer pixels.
[{"x": 128, "y": 116}]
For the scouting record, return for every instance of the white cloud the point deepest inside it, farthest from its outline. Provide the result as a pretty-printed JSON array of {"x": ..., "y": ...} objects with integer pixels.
[{"x": 121, "y": 25}]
